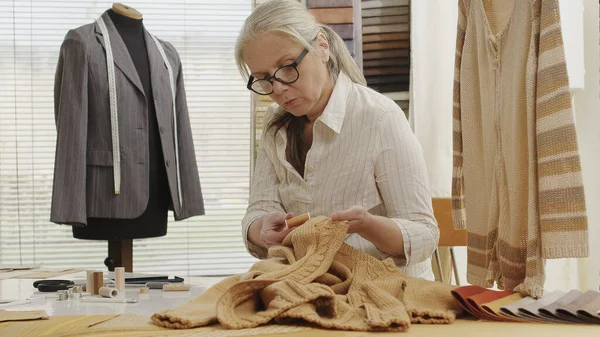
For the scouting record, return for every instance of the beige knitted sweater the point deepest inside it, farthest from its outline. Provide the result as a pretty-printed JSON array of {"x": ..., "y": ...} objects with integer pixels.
[
  {"x": 517, "y": 173},
  {"x": 315, "y": 277}
]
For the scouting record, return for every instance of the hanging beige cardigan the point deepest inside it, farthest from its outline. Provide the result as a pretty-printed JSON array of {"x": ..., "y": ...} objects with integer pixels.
[
  {"x": 317, "y": 278},
  {"x": 517, "y": 173}
]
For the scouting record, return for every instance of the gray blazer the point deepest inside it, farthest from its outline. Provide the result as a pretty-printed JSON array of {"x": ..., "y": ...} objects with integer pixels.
[{"x": 83, "y": 172}]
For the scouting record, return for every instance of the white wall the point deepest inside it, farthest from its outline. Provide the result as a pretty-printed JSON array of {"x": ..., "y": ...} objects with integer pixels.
[
  {"x": 571, "y": 15},
  {"x": 433, "y": 46},
  {"x": 584, "y": 274}
]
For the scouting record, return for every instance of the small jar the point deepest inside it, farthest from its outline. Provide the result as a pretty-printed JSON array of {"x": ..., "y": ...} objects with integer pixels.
[{"x": 63, "y": 295}]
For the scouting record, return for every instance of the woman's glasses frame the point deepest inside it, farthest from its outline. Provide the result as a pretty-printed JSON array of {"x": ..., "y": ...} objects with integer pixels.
[{"x": 252, "y": 81}]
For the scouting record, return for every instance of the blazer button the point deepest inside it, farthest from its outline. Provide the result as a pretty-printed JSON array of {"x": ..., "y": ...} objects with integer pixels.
[
  {"x": 162, "y": 129},
  {"x": 168, "y": 163}
]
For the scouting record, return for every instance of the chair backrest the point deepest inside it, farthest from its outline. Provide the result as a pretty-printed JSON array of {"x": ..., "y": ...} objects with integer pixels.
[{"x": 442, "y": 210}]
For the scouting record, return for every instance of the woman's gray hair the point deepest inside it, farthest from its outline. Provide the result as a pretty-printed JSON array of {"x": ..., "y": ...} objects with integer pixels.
[{"x": 290, "y": 18}]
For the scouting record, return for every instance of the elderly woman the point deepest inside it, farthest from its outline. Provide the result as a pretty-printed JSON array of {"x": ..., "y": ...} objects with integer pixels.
[{"x": 330, "y": 146}]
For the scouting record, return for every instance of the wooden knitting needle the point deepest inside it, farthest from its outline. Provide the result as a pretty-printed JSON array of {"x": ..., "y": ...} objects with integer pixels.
[{"x": 297, "y": 220}]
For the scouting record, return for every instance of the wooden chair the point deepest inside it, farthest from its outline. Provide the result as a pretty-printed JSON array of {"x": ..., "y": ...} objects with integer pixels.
[{"x": 449, "y": 237}]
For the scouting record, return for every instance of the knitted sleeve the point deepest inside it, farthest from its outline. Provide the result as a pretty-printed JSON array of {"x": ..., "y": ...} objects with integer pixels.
[
  {"x": 458, "y": 195},
  {"x": 562, "y": 210}
]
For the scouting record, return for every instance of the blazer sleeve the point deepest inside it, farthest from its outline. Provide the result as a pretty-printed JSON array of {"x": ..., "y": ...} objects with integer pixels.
[
  {"x": 193, "y": 201},
  {"x": 71, "y": 117}
]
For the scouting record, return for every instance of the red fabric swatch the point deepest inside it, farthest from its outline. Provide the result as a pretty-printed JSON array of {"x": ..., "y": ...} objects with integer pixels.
[
  {"x": 471, "y": 298},
  {"x": 488, "y": 296}
]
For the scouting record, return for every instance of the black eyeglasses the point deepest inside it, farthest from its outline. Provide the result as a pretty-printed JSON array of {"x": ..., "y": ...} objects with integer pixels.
[{"x": 287, "y": 74}]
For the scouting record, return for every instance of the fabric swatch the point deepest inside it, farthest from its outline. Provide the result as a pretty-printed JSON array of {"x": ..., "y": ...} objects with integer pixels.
[
  {"x": 328, "y": 3},
  {"x": 461, "y": 295},
  {"x": 386, "y": 45},
  {"x": 388, "y": 79},
  {"x": 382, "y": 54},
  {"x": 386, "y": 37},
  {"x": 574, "y": 306},
  {"x": 404, "y": 105},
  {"x": 392, "y": 87},
  {"x": 371, "y": 12},
  {"x": 350, "y": 46},
  {"x": 386, "y": 71},
  {"x": 510, "y": 306},
  {"x": 550, "y": 310},
  {"x": 478, "y": 300},
  {"x": 367, "y": 4},
  {"x": 345, "y": 31},
  {"x": 333, "y": 15},
  {"x": 532, "y": 309},
  {"x": 404, "y": 61},
  {"x": 385, "y": 20},
  {"x": 393, "y": 28},
  {"x": 512, "y": 310},
  {"x": 494, "y": 307},
  {"x": 593, "y": 306}
]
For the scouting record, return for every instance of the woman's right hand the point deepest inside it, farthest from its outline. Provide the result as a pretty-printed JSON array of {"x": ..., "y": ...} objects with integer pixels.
[{"x": 273, "y": 228}]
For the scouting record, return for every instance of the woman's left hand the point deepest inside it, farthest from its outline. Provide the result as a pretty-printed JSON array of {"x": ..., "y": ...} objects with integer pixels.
[{"x": 357, "y": 216}]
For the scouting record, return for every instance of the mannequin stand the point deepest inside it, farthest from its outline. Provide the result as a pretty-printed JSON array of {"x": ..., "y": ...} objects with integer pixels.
[{"x": 120, "y": 254}]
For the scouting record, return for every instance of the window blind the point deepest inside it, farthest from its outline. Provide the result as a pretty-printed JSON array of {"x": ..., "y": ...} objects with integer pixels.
[{"x": 203, "y": 32}]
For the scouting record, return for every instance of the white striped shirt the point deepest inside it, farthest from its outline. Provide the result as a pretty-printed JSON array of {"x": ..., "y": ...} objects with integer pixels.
[{"x": 363, "y": 153}]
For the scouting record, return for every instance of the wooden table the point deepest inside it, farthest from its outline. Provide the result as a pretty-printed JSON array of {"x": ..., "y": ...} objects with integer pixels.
[
  {"x": 471, "y": 327},
  {"x": 157, "y": 301}
]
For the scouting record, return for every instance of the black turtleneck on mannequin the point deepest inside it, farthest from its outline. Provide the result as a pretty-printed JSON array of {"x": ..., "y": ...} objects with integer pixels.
[{"x": 153, "y": 221}]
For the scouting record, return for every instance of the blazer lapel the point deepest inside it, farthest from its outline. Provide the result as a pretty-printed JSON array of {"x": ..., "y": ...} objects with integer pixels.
[
  {"x": 120, "y": 53},
  {"x": 159, "y": 78}
]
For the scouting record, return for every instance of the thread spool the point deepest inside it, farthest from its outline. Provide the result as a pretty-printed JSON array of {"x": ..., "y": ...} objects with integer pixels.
[
  {"x": 176, "y": 287},
  {"x": 297, "y": 220},
  {"x": 144, "y": 290},
  {"x": 108, "y": 292},
  {"x": 120, "y": 279},
  {"x": 89, "y": 282},
  {"x": 98, "y": 281}
]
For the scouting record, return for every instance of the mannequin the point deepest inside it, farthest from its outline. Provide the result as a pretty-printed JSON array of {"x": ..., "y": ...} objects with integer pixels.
[
  {"x": 124, "y": 152},
  {"x": 126, "y": 11},
  {"x": 153, "y": 222}
]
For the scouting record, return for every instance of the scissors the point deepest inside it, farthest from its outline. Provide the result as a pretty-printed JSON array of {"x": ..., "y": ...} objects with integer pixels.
[{"x": 48, "y": 286}]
